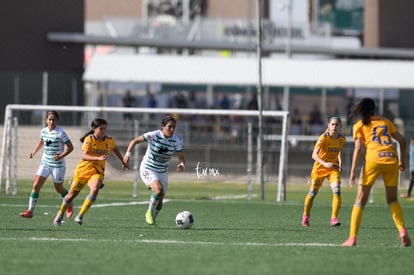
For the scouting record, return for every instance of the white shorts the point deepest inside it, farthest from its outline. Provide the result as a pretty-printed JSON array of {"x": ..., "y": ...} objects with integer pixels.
[
  {"x": 148, "y": 176},
  {"x": 58, "y": 174}
]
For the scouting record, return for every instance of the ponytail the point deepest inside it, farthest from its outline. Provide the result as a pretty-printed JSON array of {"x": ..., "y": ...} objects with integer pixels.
[
  {"x": 363, "y": 110},
  {"x": 94, "y": 124},
  {"x": 82, "y": 139}
]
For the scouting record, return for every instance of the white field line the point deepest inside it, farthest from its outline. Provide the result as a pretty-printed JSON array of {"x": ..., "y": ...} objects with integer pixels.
[
  {"x": 232, "y": 197},
  {"x": 122, "y": 203},
  {"x": 172, "y": 242},
  {"x": 166, "y": 200},
  {"x": 132, "y": 203},
  {"x": 94, "y": 206}
]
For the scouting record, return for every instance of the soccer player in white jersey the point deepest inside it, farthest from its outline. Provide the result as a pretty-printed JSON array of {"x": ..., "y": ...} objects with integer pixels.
[
  {"x": 162, "y": 144},
  {"x": 56, "y": 145}
]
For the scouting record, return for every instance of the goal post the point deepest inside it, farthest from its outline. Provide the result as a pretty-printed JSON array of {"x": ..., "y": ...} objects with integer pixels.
[{"x": 88, "y": 113}]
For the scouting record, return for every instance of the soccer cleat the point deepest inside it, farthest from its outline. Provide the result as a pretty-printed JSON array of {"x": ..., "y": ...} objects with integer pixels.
[
  {"x": 58, "y": 220},
  {"x": 404, "y": 238},
  {"x": 305, "y": 221},
  {"x": 78, "y": 219},
  {"x": 335, "y": 222},
  {"x": 405, "y": 195},
  {"x": 350, "y": 242},
  {"x": 69, "y": 212},
  {"x": 27, "y": 214},
  {"x": 148, "y": 217}
]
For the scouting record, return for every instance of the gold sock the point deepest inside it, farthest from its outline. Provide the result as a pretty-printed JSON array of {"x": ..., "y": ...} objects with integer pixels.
[
  {"x": 308, "y": 205},
  {"x": 336, "y": 205},
  {"x": 63, "y": 207},
  {"x": 397, "y": 216},
  {"x": 356, "y": 218},
  {"x": 87, "y": 203}
]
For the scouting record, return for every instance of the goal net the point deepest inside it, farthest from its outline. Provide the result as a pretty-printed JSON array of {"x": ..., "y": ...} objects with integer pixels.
[{"x": 219, "y": 145}]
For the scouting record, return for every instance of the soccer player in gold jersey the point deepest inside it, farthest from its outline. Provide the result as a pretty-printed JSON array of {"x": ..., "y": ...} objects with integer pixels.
[
  {"x": 328, "y": 164},
  {"x": 376, "y": 134},
  {"x": 96, "y": 146}
]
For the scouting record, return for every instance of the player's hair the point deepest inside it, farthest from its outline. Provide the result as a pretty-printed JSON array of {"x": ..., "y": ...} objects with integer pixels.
[
  {"x": 166, "y": 119},
  {"x": 52, "y": 112},
  {"x": 363, "y": 110},
  {"x": 335, "y": 117},
  {"x": 94, "y": 124}
]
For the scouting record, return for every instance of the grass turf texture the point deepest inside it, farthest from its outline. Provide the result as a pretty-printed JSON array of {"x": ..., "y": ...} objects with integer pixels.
[{"x": 230, "y": 236}]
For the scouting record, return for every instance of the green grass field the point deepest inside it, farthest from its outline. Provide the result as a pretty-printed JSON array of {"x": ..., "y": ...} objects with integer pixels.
[{"x": 231, "y": 235}]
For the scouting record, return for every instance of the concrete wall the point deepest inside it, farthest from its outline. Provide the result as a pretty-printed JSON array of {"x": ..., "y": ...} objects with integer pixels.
[
  {"x": 26, "y": 167},
  {"x": 388, "y": 24}
]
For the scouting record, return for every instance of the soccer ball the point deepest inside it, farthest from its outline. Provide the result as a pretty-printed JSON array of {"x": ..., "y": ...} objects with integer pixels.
[{"x": 184, "y": 220}]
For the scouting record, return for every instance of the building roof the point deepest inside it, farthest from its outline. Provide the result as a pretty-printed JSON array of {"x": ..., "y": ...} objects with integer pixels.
[
  {"x": 171, "y": 43},
  {"x": 351, "y": 73}
]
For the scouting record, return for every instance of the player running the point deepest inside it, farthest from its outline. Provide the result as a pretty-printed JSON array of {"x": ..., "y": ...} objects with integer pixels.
[
  {"x": 96, "y": 146},
  {"x": 328, "y": 164},
  {"x": 56, "y": 145},
  {"x": 162, "y": 144}
]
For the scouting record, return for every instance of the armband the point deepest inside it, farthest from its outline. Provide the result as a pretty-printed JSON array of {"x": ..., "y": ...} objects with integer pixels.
[{"x": 128, "y": 154}]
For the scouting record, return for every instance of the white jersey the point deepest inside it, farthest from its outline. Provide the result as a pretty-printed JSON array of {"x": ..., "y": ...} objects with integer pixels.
[
  {"x": 160, "y": 150},
  {"x": 53, "y": 143}
]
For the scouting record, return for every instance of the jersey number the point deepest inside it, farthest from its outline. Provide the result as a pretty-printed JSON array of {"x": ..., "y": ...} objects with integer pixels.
[{"x": 381, "y": 135}]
